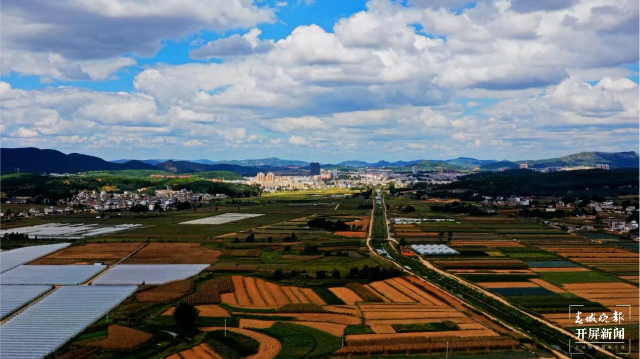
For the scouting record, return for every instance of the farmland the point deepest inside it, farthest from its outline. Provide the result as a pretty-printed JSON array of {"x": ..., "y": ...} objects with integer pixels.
[{"x": 299, "y": 279}]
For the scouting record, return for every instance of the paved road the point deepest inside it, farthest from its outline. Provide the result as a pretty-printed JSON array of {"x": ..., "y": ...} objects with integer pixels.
[{"x": 472, "y": 286}]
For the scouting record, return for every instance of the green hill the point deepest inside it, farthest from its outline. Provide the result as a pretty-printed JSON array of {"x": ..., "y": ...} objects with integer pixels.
[{"x": 613, "y": 159}]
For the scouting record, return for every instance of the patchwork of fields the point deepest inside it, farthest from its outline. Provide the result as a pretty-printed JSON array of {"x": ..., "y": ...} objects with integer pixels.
[{"x": 290, "y": 276}]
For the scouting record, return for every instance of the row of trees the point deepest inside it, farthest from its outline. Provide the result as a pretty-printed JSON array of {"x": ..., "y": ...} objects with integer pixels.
[{"x": 366, "y": 272}]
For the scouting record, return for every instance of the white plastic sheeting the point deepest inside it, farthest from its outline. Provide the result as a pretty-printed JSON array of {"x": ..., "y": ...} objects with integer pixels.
[
  {"x": 54, "y": 320},
  {"x": 14, "y": 297},
  {"x": 148, "y": 273},
  {"x": 433, "y": 249},
  {"x": 51, "y": 274},
  {"x": 223, "y": 218},
  {"x": 70, "y": 231},
  {"x": 15, "y": 257}
]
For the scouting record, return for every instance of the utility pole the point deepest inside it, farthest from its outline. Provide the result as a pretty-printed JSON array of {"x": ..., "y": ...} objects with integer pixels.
[
  {"x": 225, "y": 327},
  {"x": 447, "y": 352}
]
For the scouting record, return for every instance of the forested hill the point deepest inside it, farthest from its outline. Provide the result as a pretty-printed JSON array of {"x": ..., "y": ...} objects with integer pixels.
[
  {"x": 55, "y": 188},
  {"x": 36, "y": 160},
  {"x": 623, "y": 181}
]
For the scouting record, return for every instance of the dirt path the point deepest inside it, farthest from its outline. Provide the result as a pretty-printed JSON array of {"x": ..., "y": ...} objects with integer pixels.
[
  {"x": 90, "y": 281},
  {"x": 269, "y": 346}
]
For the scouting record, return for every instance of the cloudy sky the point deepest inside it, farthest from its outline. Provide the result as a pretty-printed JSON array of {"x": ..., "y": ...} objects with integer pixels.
[{"x": 324, "y": 80}]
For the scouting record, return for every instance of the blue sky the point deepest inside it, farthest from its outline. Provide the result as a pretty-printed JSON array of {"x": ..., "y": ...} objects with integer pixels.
[{"x": 320, "y": 80}]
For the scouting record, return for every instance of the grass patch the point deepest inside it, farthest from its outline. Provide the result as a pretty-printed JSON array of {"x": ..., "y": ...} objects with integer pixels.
[
  {"x": 480, "y": 278},
  {"x": 328, "y": 296},
  {"x": 358, "y": 329},
  {"x": 233, "y": 345},
  {"x": 231, "y": 308},
  {"x": 426, "y": 327},
  {"x": 559, "y": 278},
  {"x": 218, "y": 322},
  {"x": 302, "y": 342}
]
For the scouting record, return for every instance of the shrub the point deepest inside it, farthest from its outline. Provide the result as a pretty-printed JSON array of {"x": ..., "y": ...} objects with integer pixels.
[{"x": 186, "y": 316}]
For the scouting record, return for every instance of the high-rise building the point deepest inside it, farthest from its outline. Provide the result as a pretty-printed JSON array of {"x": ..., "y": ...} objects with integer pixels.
[
  {"x": 271, "y": 177},
  {"x": 414, "y": 170},
  {"x": 315, "y": 168},
  {"x": 260, "y": 177},
  {"x": 602, "y": 166},
  {"x": 524, "y": 166},
  {"x": 334, "y": 172}
]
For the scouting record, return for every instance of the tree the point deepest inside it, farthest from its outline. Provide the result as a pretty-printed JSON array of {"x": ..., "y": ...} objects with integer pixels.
[
  {"x": 335, "y": 273},
  {"x": 278, "y": 275},
  {"x": 294, "y": 237},
  {"x": 440, "y": 236},
  {"x": 320, "y": 274},
  {"x": 449, "y": 237},
  {"x": 186, "y": 316}
]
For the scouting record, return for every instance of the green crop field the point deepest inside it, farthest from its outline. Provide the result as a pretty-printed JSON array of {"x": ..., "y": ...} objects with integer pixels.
[{"x": 560, "y": 278}]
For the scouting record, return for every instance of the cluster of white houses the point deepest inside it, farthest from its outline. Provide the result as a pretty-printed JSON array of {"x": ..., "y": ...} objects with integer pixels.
[{"x": 94, "y": 201}]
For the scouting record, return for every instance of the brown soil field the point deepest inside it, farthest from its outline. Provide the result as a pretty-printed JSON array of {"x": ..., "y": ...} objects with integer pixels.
[
  {"x": 382, "y": 329},
  {"x": 206, "y": 310},
  {"x": 389, "y": 338},
  {"x": 255, "y": 323},
  {"x": 174, "y": 253},
  {"x": 343, "y": 309},
  {"x": 405, "y": 226},
  {"x": 388, "y": 291},
  {"x": 346, "y": 295},
  {"x": 414, "y": 291},
  {"x": 410, "y": 234},
  {"x": 242, "y": 298},
  {"x": 269, "y": 346},
  {"x": 544, "y": 284},
  {"x": 293, "y": 298},
  {"x": 202, "y": 351},
  {"x": 165, "y": 292},
  {"x": 229, "y": 298},
  {"x": 352, "y": 234},
  {"x": 631, "y": 278},
  {"x": 610, "y": 295},
  {"x": 312, "y": 296},
  {"x": 331, "y": 328},
  {"x": 121, "y": 338},
  {"x": 362, "y": 222},
  {"x": 314, "y": 317},
  {"x": 253, "y": 292},
  {"x": 449, "y": 314},
  {"x": 375, "y": 292},
  {"x": 108, "y": 253}
]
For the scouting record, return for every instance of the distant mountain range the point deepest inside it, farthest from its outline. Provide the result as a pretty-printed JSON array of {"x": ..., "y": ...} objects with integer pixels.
[
  {"x": 263, "y": 162},
  {"x": 51, "y": 161},
  {"x": 39, "y": 160}
]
